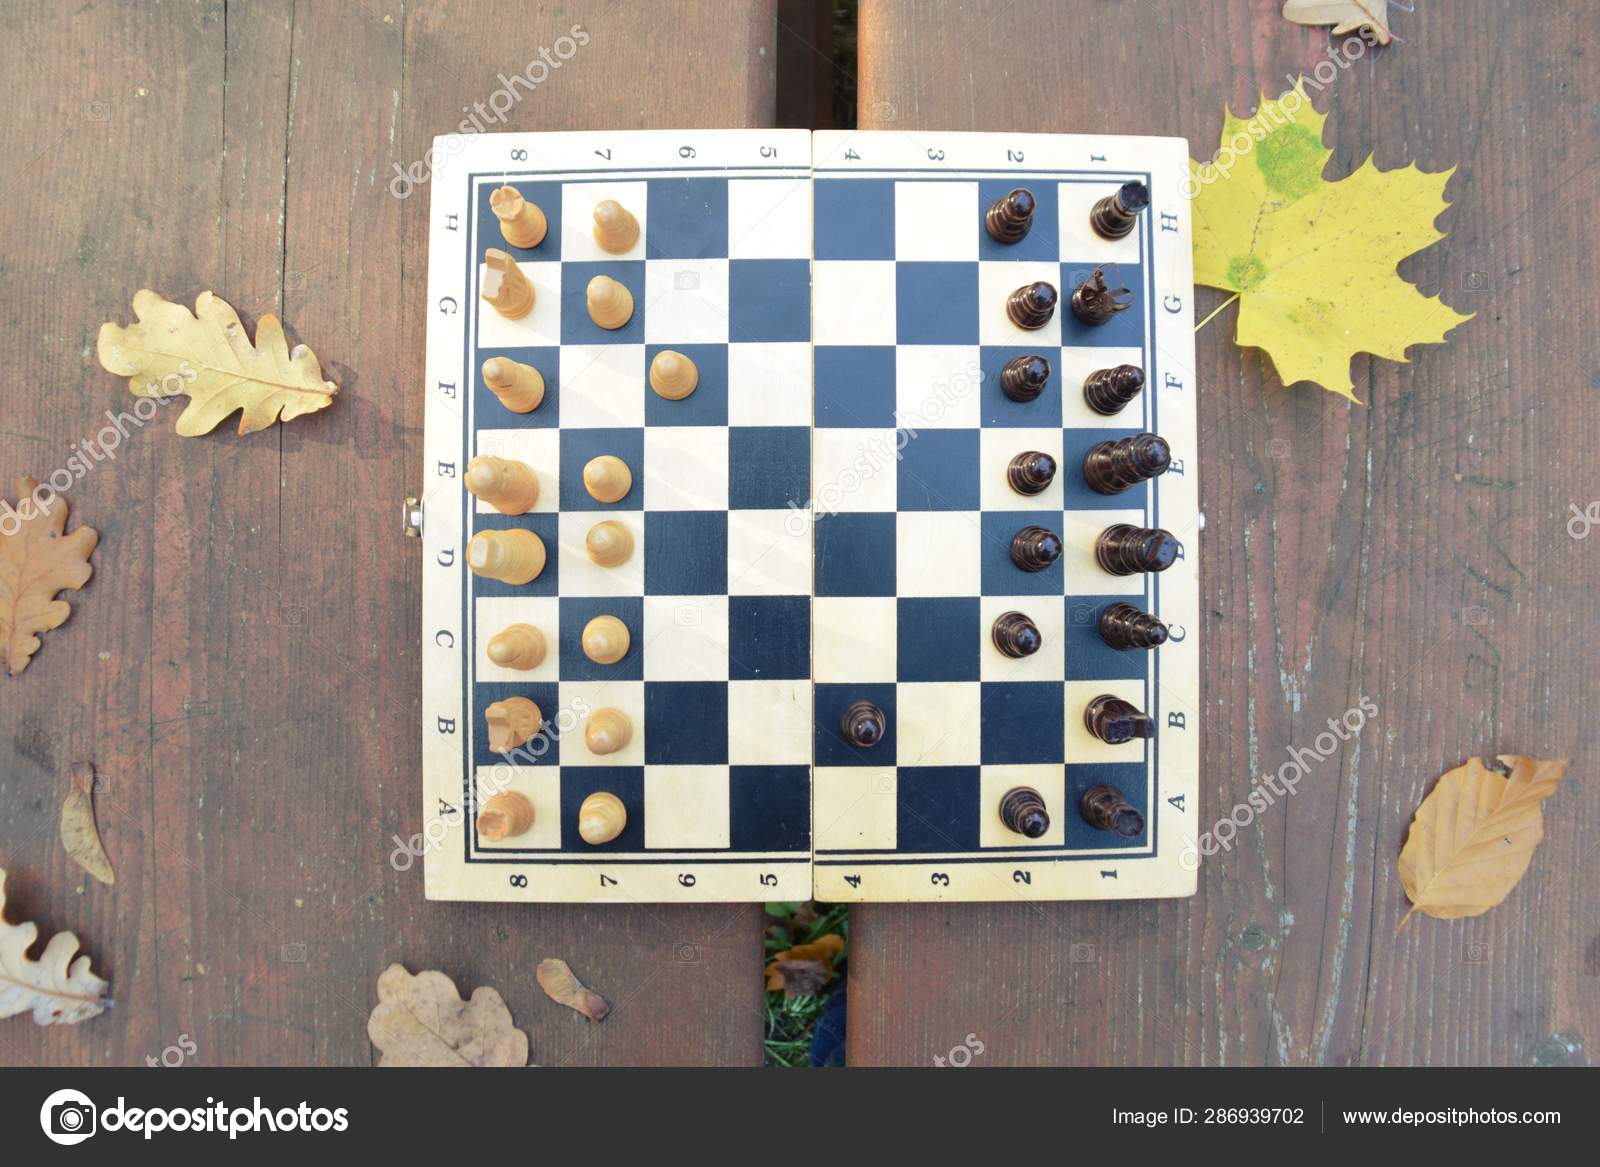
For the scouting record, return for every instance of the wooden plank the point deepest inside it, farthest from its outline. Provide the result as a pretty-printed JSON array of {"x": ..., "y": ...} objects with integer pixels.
[{"x": 1411, "y": 551}]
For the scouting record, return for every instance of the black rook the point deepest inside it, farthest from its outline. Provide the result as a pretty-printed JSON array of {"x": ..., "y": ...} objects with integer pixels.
[
  {"x": 1115, "y": 215},
  {"x": 1104, "y": 808}
]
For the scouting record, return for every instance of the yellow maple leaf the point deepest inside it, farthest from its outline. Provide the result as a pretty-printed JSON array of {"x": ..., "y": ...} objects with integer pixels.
[{"x": 1313, "y": 262}]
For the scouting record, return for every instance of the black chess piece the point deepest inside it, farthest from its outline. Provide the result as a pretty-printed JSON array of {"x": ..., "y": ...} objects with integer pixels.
[
  {"x": 1114, "y": 721},
  {"x": 863, "y": 724},
  {"x": 1124, "y": 549},
  {"x": 1113, "y": 466},
  {"x": 1008, "y": 220},
  {"x": 1032, "y": 305},
  {"x": 1024, "y": 378},
  {"x": 1031, "y": 472},
  {"x": 1022, "y": 810},
  {"x": 1122, "y": 626},
  {"x": 1104, "y": 808},
  {"x": 1108, "y": 391},
  {"x": 1015, "y": 635},
  {"x": 1094, "y": 303},
  {"x": 1035, "y": 548},
  {"x": 1116, "y": 214}
]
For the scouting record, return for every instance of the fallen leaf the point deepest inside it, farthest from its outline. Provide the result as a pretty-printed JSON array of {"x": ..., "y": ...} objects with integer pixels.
[
  {"x": 36, "y": 561},
  {"x": 1474, "y": 836},
  {"x": 79, "y": 834},
  {"x": 800, "y": 978},
  {"x": 207, "y": 356},
  {"x": 58, "y": 989},
  {"x": 422, "y": 1021},
  {"x": 822, "y": 952},
  {"x": 1344, "y": 15},
  {"x": 1314, "y": 262},
  {"x": 562, "y": 987}
]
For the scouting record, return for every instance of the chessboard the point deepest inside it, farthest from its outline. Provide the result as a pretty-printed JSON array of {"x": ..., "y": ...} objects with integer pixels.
[{"x": 696, "y": 631}]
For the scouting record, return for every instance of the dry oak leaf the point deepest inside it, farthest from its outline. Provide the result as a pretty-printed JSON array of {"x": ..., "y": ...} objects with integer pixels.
[
  {"x": 1345, "y": 15},
  {"x": 799, "y": 980},
  {"x": 58, "y": 989},
  {"x": 36, "y": 561},
  {"x": 422, "y": 1021},
  {"x": 561, "y": 986},
  {"x": 208, "y": 356},
  {"x": 1474, "y": 836},
  {"x": 1312, "y": 262},
  {"x": 79, "y": 835}
]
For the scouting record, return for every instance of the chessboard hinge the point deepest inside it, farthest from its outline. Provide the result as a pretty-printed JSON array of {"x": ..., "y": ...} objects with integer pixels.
[{"x": 412, "y": 517}]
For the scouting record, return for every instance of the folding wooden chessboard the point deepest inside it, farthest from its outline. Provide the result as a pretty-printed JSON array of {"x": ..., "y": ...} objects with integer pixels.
[{"x": 825, "y": 520}]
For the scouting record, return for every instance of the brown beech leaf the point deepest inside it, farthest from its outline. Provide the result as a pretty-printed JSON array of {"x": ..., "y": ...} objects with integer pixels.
[
  {"x": 422, "y": 1021},
  {"x": 561, "y": 986},
  {"x": 1344, "y": 15},
  {"x": 36, "y": 561},
  {"x": 1474, "y": 835},
  {"x": 58, "y": 989},
  {"x": 79, "y": 834},
  {"x": 821, "y": 952},
  {"x": 801, "y": 978}
]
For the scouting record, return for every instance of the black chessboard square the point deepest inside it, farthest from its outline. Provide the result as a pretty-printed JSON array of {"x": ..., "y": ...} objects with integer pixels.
[
  {"x": 542, "y": 525},
  {"x": 769, "y": 808},
  {"x": 769, "y": 300},
  {"x": 854, "y": 219},
  {"x": 1078, "y": 495},
  {"x": 708, "y": 404},
  {"x": 579, "y": 782},
  {"x": 830, "y": 704},
  {"x": 769, "y": 467},
  {"x": 1125, "y": 329},
  {"x": 576, "y": 326},
  {"x": 544, "y": 195},
  {"x": 854, "y": 386},
  {"x": 998, "y": 410},
  {"x": 1043, "y": 240},
  {"x": 685, "y": 723},
  {"x": 1002, "y": 577},
  {"x": 938, "y": 639},
  {"x": 686, "y": 553},
  {"x": 577, "y": 611},
  {"x": 687, "y": 218},
  {"x": 1090, "y": 658},
  {"x": 936, "y": 302},
  {"x": 769, "y": 638},
  {"x": 1129, "y": 778},
  {"x": 938, "y": 470},
  {"x": 490, "y": 414},
  {"x": 1022, "y": 722},
  {"x": 540, "y": 750},
  {"x": 936, "y": 808},
  {"x": 579, "y": 446},
  {"x": 854, "y": 554}
]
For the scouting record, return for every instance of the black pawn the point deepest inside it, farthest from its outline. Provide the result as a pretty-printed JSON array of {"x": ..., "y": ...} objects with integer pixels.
[
  {"x": 1124, "y": 549},
  {"x": 1115, "y": 215},
  {"x": 1024, "y": 378},
  {"x": 863, "y": 724},
  {"x": 1094, "y": 303},
  {"x": 1032, "y": 305},
  {"x": 1122, "y": 626},
  {"x": 1008, "y": 220},
  {"x": 1015, "y": 635},
  {"x": 1022, "y": 810},
  {"x": 1114, "y": 721},
  {"x": 1104, "y": 808},
  {"x": 1108, "y": 391},
  {"x": 1035, "y": 548},
  {"x": 1031, "y": 472},
  {"x": 1113, "y": 466}
]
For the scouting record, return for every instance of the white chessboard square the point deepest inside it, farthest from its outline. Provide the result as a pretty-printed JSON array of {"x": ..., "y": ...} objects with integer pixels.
[
  {"x": 996, "y": 448},
  {"x": 1049, "y": 616},
  {"x": 686, "y": 807},
  {"x": 1076, "y": 365},
  {"x": 937, "y": 553},
  {"x": 541, "y": 326},
  {"x": 938, "y": 723},
  {"x": 993, "y": 783},
  {"x": 854, "y": 808},
  {"x": 581, "y": 576},
  {"x": 854, "y": 639},
  {"x": 769, "y": 723},
  {"x": 769, "y": 218},
  {"x": 539, "y": 450},
  {"x": 936, "y": 220},
  {"x": 769, "y": 384},
  {"x": 1082, "y": 746},
  {"x": 854, "y": 470},
  {"x": 1079, "y": 531},
  {"x": 686, "y": 301},
  {"x": 769, "y": 553},
  {"x": 685, "y": 468},
  {"x": 581, "y": 700},
  {"x": 540, "y": 785},
  {"x": 997, "y": 279},
  {"x": 685, "y": 638},
  {"x": 936, "y": 386},
  {"x": 853, "y": 302},
  {"x": 494, "y": 614},
  {"x": 602, "y": 386},
  {"x": 578, "y": 201},
  {"x": 1079, "y": 242}
]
